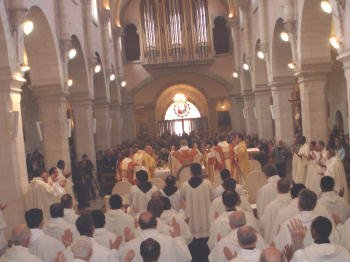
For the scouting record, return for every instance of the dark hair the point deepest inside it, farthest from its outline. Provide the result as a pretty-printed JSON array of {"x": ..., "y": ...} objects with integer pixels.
[
  {"x": 321, "y": 143},
  {"x": 307, "y": 200},
  {"x": 283, "y": 185},
  {"x": 116, "y": 201},
  {"x": 170, "y": 180},
  {"x": 322, "y": 226},
  {"x": 147, "y": 222},
  {"x": 85, "y": 225},
  {"x": 270, "y": 170},
  {"x": 98, "y": 218},
  {"x": 166, "y": 203},
  {"x": 240, "y": 136},
  {"x": 60, "y": 164},
  {"x": 327, "y": 184},
  {"x": 224, "y": 174},
  {"x": 230, "y": 198},
  {"x": 38, "y": 172},
  {"x": 66, "y": 201},
  {"x": 142, "y": 176},
  {"x": 155, "y": 206},
  {"x": 229, "y": 184},
  {"x": 196, "y": 169},
  {"x": 302, "y": 140},
  {"x": 34, "y": 217},
  {"x": 296, "y": 188},
  {"x": 52, "y": 170},
  {"x": 150, "y": 250},
  {"x": 56, "y": 210}
]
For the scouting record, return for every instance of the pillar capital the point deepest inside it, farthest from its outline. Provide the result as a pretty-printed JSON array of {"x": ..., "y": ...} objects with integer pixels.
[
  {"x": 50, "y": 93},
  {"x": 282, "y": 83},
  {"x": 313, "y": 72}
]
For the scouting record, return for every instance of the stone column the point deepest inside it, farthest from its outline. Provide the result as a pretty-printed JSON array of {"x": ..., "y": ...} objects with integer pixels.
[
  {"x": 345, "y": 59},
  {"x": 84, "y": 128},
  {"x": 103, "y": 127},
  {"x": 118, "y": 31},
  {"x": 281, "y": 93},
  {"x": 314, "y": 104},
  {"x": 237, "y": 120},
  {"x": 250, "y": 120},
  {"x": 212, "y": 116},
  {"x": 115, "y": 115},
  {"x": 14, "y": 178},
  {"x": 263, "y": 111},
  {"x": 54, "y": 125}
]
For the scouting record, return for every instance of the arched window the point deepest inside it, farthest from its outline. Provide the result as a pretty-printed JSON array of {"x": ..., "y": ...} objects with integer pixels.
[
  {"x": 131, "y": 43},
  {"x": 221, "y": 36}
]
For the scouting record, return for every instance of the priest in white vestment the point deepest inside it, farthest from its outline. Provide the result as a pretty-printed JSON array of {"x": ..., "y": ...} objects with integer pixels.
[
  {"x": 172, "y": 249},
  {"x": 266, "y": 222},
  {"x": 322, "y": 249},
  {"x": 230, "y": 241},
  {"x": 267, "y": 192},
  {"x": 306, "y": 204},
  {"x": 331, "y": 200},
  {"x": 41, "y": 244},
  {"x": 101, "y": 234},
  {"x": 55, "y": 183},
  {"x": 3, "y": 225},
  {"x": 40, "y": 194},
  {"x": 197, "y": 194},
  {"x": 314, "y": 169},
  {"x": 19, "y": 252},
  {"x": 335, "y": 169},
  {"x": 141, "y": 193},
  {"x": 56, "y": 225},
  {"x": 303, "y": 154},
  {"x": 116, "y": 219},
  {"x": 69, "y": 213},
  {"x": 169, "y": 215},
  {"x": 172, "y": 192},
  {"x": 66, "y": 177},
  {"x": 100, "y": 253}
]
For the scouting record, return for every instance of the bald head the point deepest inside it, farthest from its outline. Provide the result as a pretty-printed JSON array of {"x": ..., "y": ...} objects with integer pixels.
[
  {"x": 21, "y": 235},
  {"x": 237, "y": 219},
  {"x": 147, "y": 220},
  {"x": 271, "y": 254},
  {"x": 82, "y": 248},
  {"x": 247, "y": 237}
]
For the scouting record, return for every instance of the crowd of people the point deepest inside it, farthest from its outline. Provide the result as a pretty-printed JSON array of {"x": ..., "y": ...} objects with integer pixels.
[{"x": 302, "y": 213}]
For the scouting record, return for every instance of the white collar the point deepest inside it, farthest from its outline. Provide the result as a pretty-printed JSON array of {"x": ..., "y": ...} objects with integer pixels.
[{"x": 35, "y": 234}]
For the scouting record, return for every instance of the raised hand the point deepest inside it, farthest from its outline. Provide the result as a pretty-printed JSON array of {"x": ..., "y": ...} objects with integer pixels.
[
  {"x": 228, "y": 254},
  {"x": 176, "y": 229},
  {"x": 298, "y": 232},
  {"x": 128, "y": 234},
  {"x": 218, "y": 237},
  {"x": 288, "y": 252},
  {"x": 116, "y": 243},
  {"x": 60, "y": 257},
  {"x": 67, "y": 238},
  {"x": 129, "y": 256}
]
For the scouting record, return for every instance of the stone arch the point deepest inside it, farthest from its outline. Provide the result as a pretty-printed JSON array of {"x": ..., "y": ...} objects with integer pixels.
[
  {"x": 281, "y": 53},
  {"x": 347, "y": 26},
  {"x": 313, "y": 34},
  {"x": 43, "y": 52}
]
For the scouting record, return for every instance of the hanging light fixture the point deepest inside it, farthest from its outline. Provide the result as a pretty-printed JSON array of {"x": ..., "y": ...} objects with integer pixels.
[
  {"x": 28, "y": 27},
  {"x": 334, "y": 42},
  {"x": 245, "y": 66},
  {"x": 261, "y": 55},
  {"x": 235, "y": 74},
  {"x": 97, "y": 69},
  {"x": 284, "y": 36},
  {"x": 72, "y": 53},
  {"x": 69, "y": 82},
  {"x": 326, "y": 7}
]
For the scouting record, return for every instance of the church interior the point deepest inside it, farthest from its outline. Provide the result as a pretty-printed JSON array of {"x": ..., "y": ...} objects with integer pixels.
[{"x": 206, "y": 103}]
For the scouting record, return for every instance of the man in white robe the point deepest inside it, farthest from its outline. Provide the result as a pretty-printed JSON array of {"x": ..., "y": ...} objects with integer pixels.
[
  {"x": 169, "y": 215},
  {"x": 302, "y": 161},
  {"x": 66, "y": 177},
  {"x": 100, "y": 253},
  {"x": 141, "y": 193},
  {"x": 19, "y": 251},
  {"x": 322, "y": 249},
  {"x": 335, "y": 169},
  {"x": 197, "y": 194},
  {"x": 102, "y": 235},
  {"x": 220, "y": 227},
  {"x": 331, "y": 200},
  {"x": 267, "y": 192},
  {"x": 55, "y": 183},
  {"x": 56, "y": 225},
  {"x": 172, "y": 249},
  {"x": 3, "y": 225},
  {"x": 306, "y": 204},
  {"x": 116, "y": 219},
  {"x": 69, "y": 213},
  {"x": 248, "y": 251},
  {"x": 40, "y": 194},
  {"x": 82, "y": 249},
  {"x": 237, "y": 220},
  {"x": 266, "y": 222},
  {"x": 41, "y": 244}
]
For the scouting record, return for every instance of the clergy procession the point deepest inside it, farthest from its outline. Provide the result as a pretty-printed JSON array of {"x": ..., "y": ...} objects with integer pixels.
[{"x": 203, "y": 209}]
